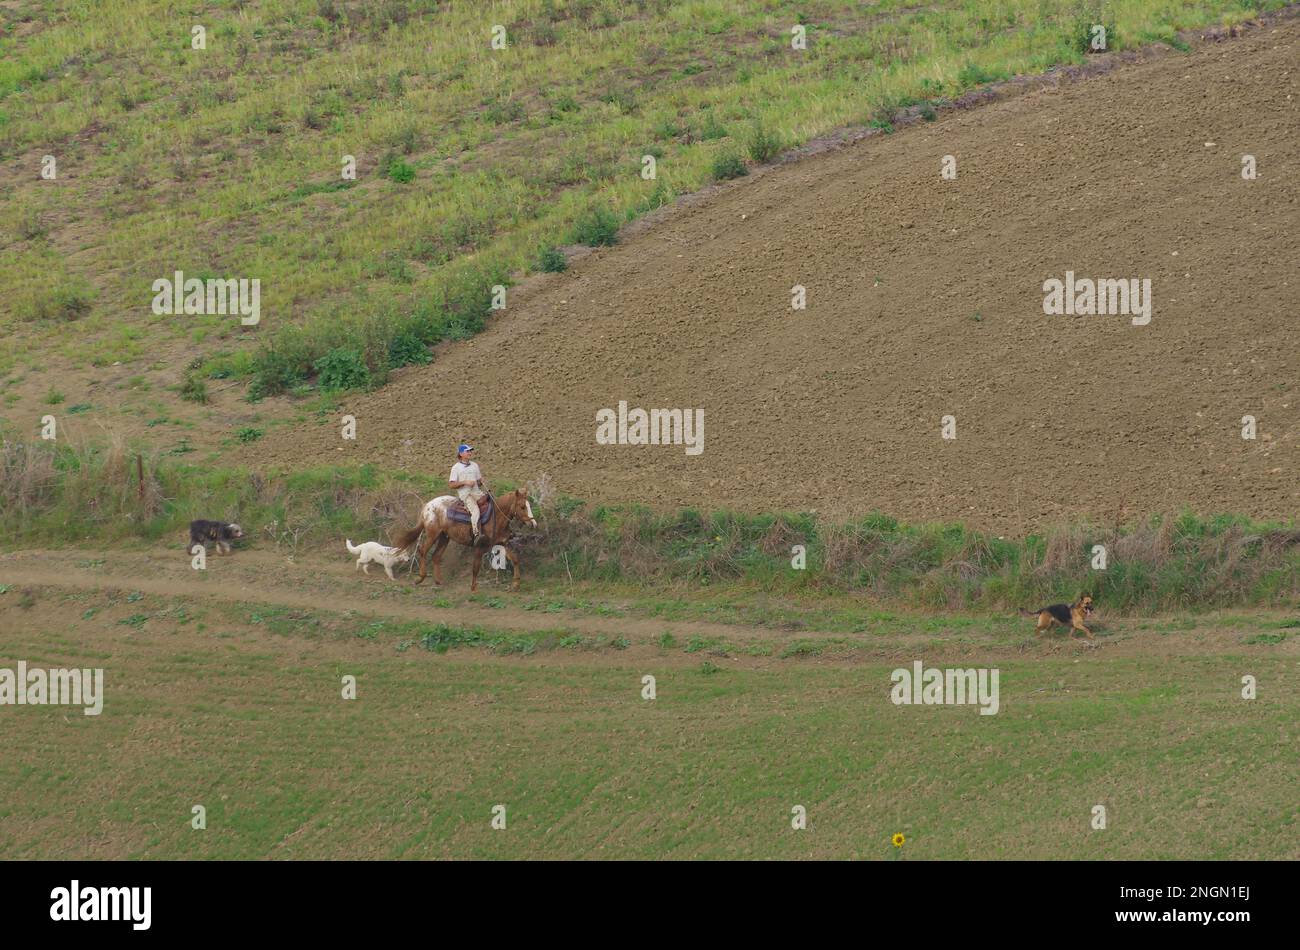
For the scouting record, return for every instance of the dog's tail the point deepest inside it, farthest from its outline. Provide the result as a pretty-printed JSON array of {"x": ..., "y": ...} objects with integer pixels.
[
  {"x": 407, "y": 539},
  {"x": 1031, "y": 613},
  {"x": 351, "y": 549}
]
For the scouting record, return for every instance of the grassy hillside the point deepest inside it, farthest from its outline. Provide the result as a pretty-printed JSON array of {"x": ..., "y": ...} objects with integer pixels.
[{"x": 473, "y": 165}]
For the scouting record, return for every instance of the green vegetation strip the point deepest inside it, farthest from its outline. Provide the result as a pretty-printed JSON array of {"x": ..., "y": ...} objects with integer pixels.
[{"x": 1171, "y": 562}]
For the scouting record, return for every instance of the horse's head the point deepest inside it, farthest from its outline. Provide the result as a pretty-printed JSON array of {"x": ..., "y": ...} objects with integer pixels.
[{"x": 521, "y": 509}]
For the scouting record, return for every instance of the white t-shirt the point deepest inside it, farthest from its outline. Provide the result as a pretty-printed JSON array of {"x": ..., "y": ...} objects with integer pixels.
[{"x": 465, "y": 472}]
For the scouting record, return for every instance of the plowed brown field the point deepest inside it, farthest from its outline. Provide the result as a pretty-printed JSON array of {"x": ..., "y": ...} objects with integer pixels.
[{"x": 924, "y": 299}]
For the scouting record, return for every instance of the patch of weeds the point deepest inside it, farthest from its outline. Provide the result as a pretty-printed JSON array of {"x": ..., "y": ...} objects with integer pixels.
[
  {"x": 407, "y": 349},
  {"x": 194, "y": 390},
  {"x": 620, "y": 643},
  {"x": 249, "y": 434},
  {"x": 561, "y": 105},
  {"x": 442, "y": 637},
  {"x": 973, "y": 74},
  {"x": 712, "y": 128},
  {"x": 598, "y": 227},
  {"x": 342, "y": 368},
  {"x": 79, "y": 408},
  {"x": 395, "y": 169},
  {"x": 728, "y": 164},
  {"x": 801, "y": 648},
  {"x": 696, "y": 644},
  {"x": 762, "y": 143},
  {"x": 54, "y": 397},
  {"x": 135, "y": 620},
  {"x": 552, "y": 260},
  {"x": 1265, "y": 639},
  {"x": 134, "y": 596},
  {"x": 709, "y": 668},
  {"x": 503, "y": 113},
  {"x": 317, "y": 188}
]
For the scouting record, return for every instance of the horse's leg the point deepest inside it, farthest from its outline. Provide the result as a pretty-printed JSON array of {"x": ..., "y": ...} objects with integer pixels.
[
  {"x": 477, "y": 561},
  {"x": 514, "y": 561},
  {"x": 425, "y": 542},
  {"x": 437, "y": 558}
]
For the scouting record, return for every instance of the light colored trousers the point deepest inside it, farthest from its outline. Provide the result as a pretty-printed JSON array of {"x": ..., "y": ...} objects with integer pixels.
[{"x": 470, "y": 497}]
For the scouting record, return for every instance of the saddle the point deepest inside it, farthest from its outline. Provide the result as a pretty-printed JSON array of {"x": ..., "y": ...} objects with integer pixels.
[{"x": 457, "y": 511}]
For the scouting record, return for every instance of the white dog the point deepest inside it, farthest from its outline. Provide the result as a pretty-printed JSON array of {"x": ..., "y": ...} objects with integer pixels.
[{"x": 374, "y": 551}]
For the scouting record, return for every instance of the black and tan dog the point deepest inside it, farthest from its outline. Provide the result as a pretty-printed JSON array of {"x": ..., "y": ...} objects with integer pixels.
[{"x": 1069, "y": 615}]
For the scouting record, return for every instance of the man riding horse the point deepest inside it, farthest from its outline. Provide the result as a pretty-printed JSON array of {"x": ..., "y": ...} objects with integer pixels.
[
  {"x": 467, "y": 481},
  {"x": 441, "y": 521}
]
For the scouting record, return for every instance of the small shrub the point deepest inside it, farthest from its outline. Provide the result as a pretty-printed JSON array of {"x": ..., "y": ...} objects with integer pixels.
[
  {"x": 249, "y": 434},
  {"x": 728, "y": 164},
  {"x": 561, "y": 105},
  {"x": 762, "y": 143},
  {"x": 277, "y": 370},
  {"x": 407, "y": 349},
  {"x": 194, "y": 389},
  {"x": 599, "y": 226},
  {"x": 552, "y": 260},
  {"x": 342, "y": 368},
  {"x": 395, "y": 169}
]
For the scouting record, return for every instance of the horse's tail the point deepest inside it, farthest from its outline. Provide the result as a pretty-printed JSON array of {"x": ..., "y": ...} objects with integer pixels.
[{"x": 407, "y": 539}]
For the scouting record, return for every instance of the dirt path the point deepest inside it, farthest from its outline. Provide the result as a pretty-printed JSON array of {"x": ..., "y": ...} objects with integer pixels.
[
  {"x": 925, "y": 299},
  {"x": 315, "y": 583},
  {"x": 318, "y": 583}
]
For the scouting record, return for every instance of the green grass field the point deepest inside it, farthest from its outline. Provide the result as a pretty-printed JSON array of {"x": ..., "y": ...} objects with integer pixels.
[{"x": 237, "y": 708}]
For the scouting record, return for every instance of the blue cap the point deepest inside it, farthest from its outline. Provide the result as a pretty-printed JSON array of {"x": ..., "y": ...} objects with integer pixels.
[{"x": 463, "y": 448}]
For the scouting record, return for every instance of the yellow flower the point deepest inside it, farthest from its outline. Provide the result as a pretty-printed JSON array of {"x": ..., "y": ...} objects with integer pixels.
[{"x": 898, "y": 841}]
